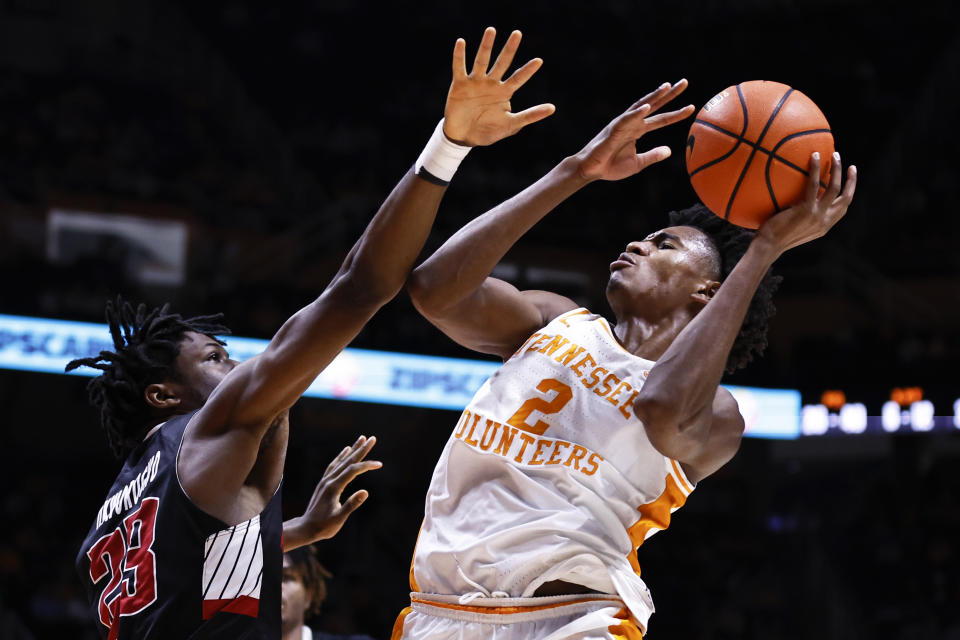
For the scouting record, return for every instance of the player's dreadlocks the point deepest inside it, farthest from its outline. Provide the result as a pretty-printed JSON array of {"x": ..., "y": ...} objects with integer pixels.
[
  {"x": 303, "y": 561},
  {"x": 731, "y": 243},
  {"x": 146, "y": 346}
]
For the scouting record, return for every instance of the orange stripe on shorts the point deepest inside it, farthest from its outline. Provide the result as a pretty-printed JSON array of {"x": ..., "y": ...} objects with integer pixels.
[{"x": 397, "y": 632}]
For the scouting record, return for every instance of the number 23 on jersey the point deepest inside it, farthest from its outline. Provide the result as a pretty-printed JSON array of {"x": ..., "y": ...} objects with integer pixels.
[{"x": 124, "y": 556}]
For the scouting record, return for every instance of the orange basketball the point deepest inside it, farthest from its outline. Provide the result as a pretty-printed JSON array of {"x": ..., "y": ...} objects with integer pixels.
[{"x": 749, "y": 149}]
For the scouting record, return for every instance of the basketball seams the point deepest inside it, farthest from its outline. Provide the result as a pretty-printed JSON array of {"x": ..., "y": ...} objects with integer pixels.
[
  {"x": 712, "y": 125},
  {"x": 771, "y": 154},
  {"x": 721, "y": 158},
  {"x": 753, "y": 152},
  {"x": 722, "y": 169},
  {"x": 740, "y": 138},
  {"x": 746, "y": 112},
  {"x": 796, "y": 167}
]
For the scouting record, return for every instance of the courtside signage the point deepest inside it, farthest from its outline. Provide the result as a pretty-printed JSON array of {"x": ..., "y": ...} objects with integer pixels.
[{"x": 45, "y": 345}]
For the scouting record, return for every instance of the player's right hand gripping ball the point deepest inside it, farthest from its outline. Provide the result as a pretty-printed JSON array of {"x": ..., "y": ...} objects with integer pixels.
[{"x": 748, "y": 151}]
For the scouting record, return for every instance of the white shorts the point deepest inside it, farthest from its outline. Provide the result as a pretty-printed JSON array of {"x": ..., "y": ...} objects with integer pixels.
[{"x": 573, "y": 617}]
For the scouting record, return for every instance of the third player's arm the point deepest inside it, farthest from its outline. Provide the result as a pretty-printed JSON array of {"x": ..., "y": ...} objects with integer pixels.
[
  {"x": 325, "y": 515},
  {"x": 453, "y": 289},
  {"x": 685, "y": 415}
]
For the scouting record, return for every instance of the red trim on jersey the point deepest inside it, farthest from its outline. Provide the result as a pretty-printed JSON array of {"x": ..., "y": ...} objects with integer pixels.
[{"x": 244, "y": 605}]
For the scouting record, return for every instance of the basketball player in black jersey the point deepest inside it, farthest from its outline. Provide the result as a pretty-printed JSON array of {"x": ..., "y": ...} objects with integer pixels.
[{"x": 188, "y": 540}]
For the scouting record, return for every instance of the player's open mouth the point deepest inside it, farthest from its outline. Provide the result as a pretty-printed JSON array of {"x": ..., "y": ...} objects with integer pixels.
[{"x": 623, "y": 261}]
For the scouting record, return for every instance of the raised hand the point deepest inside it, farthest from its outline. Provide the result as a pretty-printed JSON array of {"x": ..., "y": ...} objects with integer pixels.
[
  {"x": 478, "y": 104},
  {"x": 612, "y": 154},
  {"x": 813, "y": 216},
  {"x": 325, "y": 515}
]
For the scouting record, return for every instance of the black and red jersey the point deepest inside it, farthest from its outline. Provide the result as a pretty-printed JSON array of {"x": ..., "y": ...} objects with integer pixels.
[{"x": 155, "y": 566}]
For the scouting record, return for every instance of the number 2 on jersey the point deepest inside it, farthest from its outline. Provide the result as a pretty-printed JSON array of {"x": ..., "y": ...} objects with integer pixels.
[{"x": 563, "y": 395}]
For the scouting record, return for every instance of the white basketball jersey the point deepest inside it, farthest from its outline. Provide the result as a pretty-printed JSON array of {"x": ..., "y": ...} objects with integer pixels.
[{"x": 549, "y": 476}]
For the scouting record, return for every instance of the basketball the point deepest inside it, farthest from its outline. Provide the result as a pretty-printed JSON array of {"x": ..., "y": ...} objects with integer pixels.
[{"x": 749, "y": 147}]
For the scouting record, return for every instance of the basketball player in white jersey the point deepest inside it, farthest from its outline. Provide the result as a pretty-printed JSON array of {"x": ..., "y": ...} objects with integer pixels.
[{"x": 592, "y": 433}]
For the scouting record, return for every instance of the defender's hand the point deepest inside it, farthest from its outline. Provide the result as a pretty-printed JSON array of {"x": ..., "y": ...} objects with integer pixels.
[
  {"x": 612, "y": 155},
  {"x": 478, "y": 104},
  {"x": 813, "y": 216},
  {"x": 325, "y": 515}
]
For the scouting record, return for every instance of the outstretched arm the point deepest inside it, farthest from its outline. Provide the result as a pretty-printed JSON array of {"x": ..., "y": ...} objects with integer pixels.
[
  {"x": 325, "y": 515},
  {"x": 223, "y": 441},
  {"x": 677, "y": 402},
  {"x": 452, "y": 288}
]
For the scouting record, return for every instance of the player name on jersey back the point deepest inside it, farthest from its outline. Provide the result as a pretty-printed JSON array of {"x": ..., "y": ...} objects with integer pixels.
[{"x": 128, "y": 497}]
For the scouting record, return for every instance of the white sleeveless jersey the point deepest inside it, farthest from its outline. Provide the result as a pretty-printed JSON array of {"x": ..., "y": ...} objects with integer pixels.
[{"x": 549, "y": 476}]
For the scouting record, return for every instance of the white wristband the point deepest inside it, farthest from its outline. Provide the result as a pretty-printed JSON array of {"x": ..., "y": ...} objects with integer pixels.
[{"x": 440, "y": 158}]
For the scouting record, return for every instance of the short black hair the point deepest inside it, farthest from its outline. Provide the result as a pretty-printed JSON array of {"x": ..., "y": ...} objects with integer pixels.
[
  {"x": 146, "y": 345},
  {"x": 731, "y": 243},
  {"x": 303, "y": 561}
]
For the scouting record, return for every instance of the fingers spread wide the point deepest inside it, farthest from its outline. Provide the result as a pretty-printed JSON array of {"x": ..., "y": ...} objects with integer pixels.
[
  {"x": 519, "y": 77},
  {"x": 650, "y": 96},
  {"x": 534, "y": 114},
  {"x": 354, "y": 470},
  {"x": 336, "y": 461},
  {"x": 503, "y": 60},
  {"x": 460, "y": 59},
  {"x": 664, "y": 119},
  {"x": 354, "y": 501},
  {"x": 482, "y": 60},
  {"x": 661, "y": 95},
  {"x": 647, "y": 158},
  {"x": 674, "y": 90}
]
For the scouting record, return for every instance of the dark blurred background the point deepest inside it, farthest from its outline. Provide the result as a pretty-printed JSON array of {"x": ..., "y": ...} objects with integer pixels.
[{"x": 273, "y": 133}]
